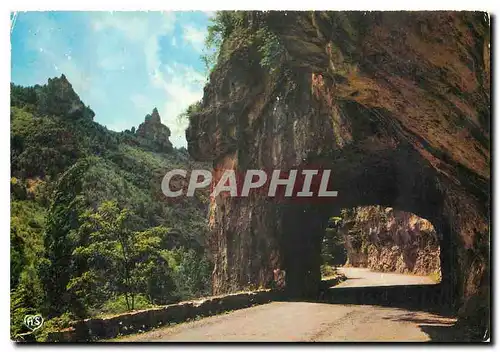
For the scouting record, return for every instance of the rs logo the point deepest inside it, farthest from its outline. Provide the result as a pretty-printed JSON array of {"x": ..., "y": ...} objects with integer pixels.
[{"x": 33, "y": 322}]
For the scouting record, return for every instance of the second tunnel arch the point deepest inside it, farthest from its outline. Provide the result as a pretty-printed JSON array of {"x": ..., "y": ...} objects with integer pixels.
[{"x": 382, "y": 180}]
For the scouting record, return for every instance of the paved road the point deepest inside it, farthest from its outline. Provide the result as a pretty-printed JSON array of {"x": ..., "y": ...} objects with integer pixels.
[
  {"x": 361, "y": 277},
  {"x": 303, "y": 321}
]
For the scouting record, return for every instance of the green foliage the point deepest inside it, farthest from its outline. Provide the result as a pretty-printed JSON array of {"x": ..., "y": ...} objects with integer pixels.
[
  {"x": 335, "y": 220},
  {"x": 46, "y": 146},
  {"x": 222, "y": 25},
  {"x": 119, "y": 305},
  {"x": 58, "y": 98},
  {"x": 333, "y": 247},
  {"x": 90, "y": 227},
  {"x": 26, "y": 246},
  {"x": 63, "y": 218},
  {"x": 327, "y": 271},
  {"x": 110, "y": 257},
  {"x": 191, "y": 109},
  {"x": 26, "y": 236},
  {"x": 102, "y": 181},
  {"x": 355, "y": 221},
  {"x": 436, "y": 276},
  {"x": 24, "y": 300},
  {"x": 135, "y": 264},
  {"x": 231, "y": 29},
  {"x": 52, "y": 325},
  {"x": 270, "y": 49},
  {"x": 191, "y": 272},
  {"x": 23, "y": 96}
]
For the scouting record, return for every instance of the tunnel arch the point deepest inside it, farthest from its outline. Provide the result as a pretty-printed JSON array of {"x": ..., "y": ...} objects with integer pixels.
[
  {"x": 365, "y": 104},
  {"x": 381, "y": 179}
]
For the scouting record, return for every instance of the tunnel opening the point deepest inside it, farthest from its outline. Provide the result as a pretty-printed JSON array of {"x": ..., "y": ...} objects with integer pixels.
[
  {"x": 384, "y": 181},
  {"x": 384, "y": 240},
  {"x": 412, "y": 256}
]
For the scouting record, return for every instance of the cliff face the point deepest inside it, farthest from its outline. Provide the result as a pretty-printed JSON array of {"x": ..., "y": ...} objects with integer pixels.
[
  {"x": 153, "y": 131},
  {"x": 384, "y": 239},
  {"x": 396, "y": 104}
]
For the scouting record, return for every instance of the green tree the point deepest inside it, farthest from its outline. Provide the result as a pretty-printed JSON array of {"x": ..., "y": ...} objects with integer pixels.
[
  {"x": 191, "y": 272},
  {"x": 120, "y": 262},
  {"x": 108, "y": 254},
  {"x": 63, "y": 218},
  {"x": 221, "y": 26},
  {"x": 332, "y": 248},
  {"x": 151, "y": 272}
]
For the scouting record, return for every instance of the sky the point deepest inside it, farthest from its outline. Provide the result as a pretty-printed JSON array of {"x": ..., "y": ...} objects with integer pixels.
[{"x": 121, "y": 64}]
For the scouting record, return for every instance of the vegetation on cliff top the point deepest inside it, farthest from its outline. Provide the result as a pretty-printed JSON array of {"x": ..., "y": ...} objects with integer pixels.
[{"x": 230, "y": 30}]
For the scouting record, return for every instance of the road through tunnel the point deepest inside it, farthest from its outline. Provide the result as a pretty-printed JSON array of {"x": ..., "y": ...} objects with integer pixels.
[
  {"x": 388, "y": 102},
  {"x": 380, "y": 181}
]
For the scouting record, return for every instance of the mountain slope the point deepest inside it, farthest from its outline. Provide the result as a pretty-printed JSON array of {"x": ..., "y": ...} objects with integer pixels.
[{"x": 66, "y": 170}]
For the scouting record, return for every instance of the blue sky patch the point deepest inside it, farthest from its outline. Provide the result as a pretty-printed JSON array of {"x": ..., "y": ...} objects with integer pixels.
[{"x": 122, "y": 64}]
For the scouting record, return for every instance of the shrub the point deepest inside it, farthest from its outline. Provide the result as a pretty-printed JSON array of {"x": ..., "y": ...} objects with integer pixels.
[{"x": 327, "y": 270}]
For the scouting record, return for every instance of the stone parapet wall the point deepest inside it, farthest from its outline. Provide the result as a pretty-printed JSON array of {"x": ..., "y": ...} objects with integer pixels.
[{"x": 94, "y": 329}]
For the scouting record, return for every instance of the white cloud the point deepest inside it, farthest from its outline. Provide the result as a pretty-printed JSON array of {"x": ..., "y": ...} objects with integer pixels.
[
  {"x": 209, "y": 14},
  {"x": 194, "y": 37},
  {"x": 140, "y": 29},
  {"x": 183, "y": 86},
  {"x": 185, "y": 73},
  {"x": 141, "y": 102},
  {"x": 112, "y": 61},
  {"x": 136, "y": 26}
]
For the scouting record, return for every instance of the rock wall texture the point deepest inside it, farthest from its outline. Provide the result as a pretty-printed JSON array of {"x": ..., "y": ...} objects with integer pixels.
[
  {"x": 396, "y": 104},
  {"x": 384, "y": 239}
]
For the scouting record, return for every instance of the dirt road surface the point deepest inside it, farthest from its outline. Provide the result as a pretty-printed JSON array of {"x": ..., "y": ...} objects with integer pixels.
[{"x": 305, "y": 321}]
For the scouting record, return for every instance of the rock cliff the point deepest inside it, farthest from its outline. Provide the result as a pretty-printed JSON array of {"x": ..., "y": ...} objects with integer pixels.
[
  {"x": 58, "y": 98},
  {"x": 396, "y": 104},
  {"x": 156, "y": 133},
  {"x": 384, "y": 239}
]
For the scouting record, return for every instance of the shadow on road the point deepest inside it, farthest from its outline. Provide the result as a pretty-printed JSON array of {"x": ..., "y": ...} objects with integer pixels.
[
  {"x": 434, "y": 299},
  {"x": 452, "y": 333},
  {"x": 430, "y": 298},
  {"x": 438, "y": 328}
]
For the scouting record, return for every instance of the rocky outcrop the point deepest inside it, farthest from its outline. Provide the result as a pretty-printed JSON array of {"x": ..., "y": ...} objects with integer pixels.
[
  {"x": 155, "y": 133},
  {"x": 384, "y": 239},
  {"x": 396, "y": 104},
  {"x": 58, "y": 98}
]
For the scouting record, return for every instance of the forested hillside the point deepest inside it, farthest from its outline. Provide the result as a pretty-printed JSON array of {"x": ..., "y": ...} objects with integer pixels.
[{"x": 91, "y": 231}]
